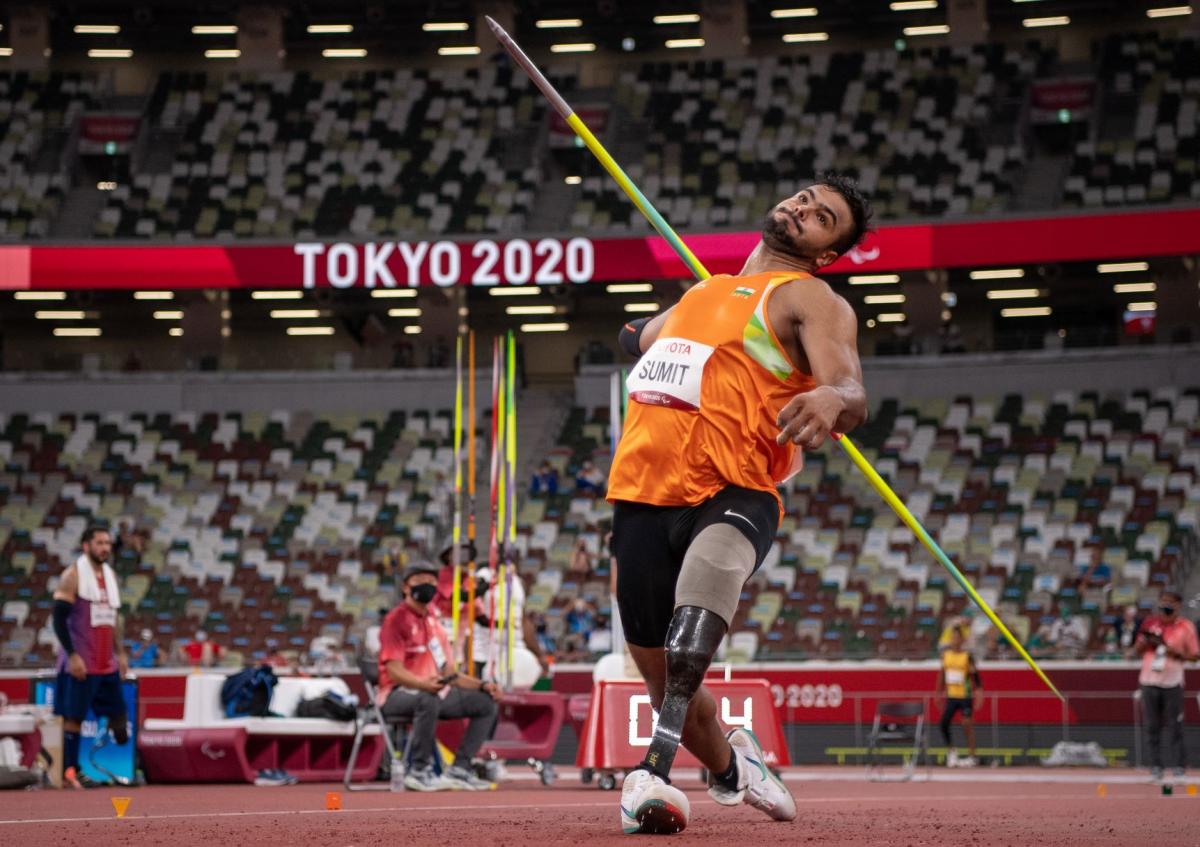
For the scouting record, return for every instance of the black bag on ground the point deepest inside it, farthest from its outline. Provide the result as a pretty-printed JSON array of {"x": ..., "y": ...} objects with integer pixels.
[
  {"x": 329, "y": 706},
  {"x": 247, "y": 693}
]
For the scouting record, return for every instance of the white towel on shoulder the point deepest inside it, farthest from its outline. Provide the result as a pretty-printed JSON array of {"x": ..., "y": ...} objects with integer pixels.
[{"x": 89, "y": 587}]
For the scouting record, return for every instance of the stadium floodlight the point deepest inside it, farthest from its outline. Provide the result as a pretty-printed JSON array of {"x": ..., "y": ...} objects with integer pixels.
[
  {"x": 169, "y": 315},
  {"x": 394, "y": 293},
  {"x": 1168, "y": 11},
  {"x": 804, "y": 37},
  {"x": 642, "y": 307},
  {"x": 404, "y": 313},
  {"x": 883, "y": 299},
  {"x": 412, "y": 330},
  {"x": 330, "y": 29},
  {"x": 629, "y": 288},
  {"x": 515, "y": 291},
  {"x": 1135, "y": 288},
  {"x": 874, "y": 279},
  {"x": 215, "y": 29},
  {"x": 932, "y": 29},
  {"x": 282, "y": 294},
  {"x": 289, "y": 314},
  {"x": 552, "y": 327},
  {"x": 803, "y": 12},
  {"x": 445, "y": 26},
  {"x": 701, "y": 273},
  {"x": 1122, "y": 267},
  {"x": 1144, "y": 306},
  {"x": 573, "y": 179},
  {"x": 530, "y": 310},
  {"x": 892, "y": 317},
  {"x": 681, "y": 43},
  {"x": 154, "y": 295},
  {"x": 580, "y": 47},
  {"x": 463, "y": 50},
  {"x": 559, "y": 23},
  {"x": 912, "y": 5},
  {"x": 175, "y": 332},
  {"x": 310, "y": 330},
  {"x": 223, "y": 53},
  {"x": 1026, "y": 312},
  {"x": 1050, "y": 20},
  {"x": 5, "y": 51},
  {"x": 60, "y": 315},
  {"x": 97, "y": 29},
  {"x": 344, "y": 53},
  {"x": 999, "y": 273},
  {"x": 77, "y": 331},
  {"x": 667, "y": 20},
  {"x": 39, "y": 295},
  {"x": 1014, "y": 293},
  {"x": 110, "y": 53}
]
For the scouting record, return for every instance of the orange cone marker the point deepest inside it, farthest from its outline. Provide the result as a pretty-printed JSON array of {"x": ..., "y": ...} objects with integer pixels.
[
  {"x": 1102, "y": 790},
  {"x": 120, "y": 804},
  {"x": 333, "y": 801}
]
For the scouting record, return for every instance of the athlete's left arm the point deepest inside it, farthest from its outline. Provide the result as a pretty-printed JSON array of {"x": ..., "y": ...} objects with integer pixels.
[
  {"x": 827, "y": 330},
  {"x": 119, "y": 647}
]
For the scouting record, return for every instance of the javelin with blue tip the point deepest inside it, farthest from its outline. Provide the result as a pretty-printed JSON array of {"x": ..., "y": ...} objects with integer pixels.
[{"x": 700, "y": 272}]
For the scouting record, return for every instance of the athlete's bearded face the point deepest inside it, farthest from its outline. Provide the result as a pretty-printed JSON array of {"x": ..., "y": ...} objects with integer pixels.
[
  {"x": 808, "y": 225},
  {"x": 99, "y": 548}
]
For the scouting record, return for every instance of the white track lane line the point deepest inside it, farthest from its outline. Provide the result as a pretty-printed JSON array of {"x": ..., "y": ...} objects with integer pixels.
[{"x": 508, "y": 807}]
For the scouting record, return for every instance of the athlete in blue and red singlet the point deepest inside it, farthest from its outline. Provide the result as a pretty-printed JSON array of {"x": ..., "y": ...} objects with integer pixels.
[{"x": 92, "y": 661}]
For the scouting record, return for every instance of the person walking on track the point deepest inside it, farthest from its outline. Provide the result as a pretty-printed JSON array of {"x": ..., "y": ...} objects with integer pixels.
[
  {"x": 732, "y": 383},
  {"x": 959, "y": 683},
  {"x": 92, "y": 660}
]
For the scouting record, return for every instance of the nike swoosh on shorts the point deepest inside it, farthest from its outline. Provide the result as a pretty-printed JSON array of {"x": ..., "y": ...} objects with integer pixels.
[{"x": 734, "y": 514}]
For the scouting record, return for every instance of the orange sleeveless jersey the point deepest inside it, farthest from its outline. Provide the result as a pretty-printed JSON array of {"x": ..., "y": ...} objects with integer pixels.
[{"x": 703, "y": 400}]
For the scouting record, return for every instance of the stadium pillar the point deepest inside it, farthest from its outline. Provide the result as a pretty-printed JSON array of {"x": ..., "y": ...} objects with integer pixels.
[
  {"x": 502, "y": 12},
  {"x": 29, "y": 28},
  {"x": 260, "y": 38},
  {"x": 923, "y": 309},
  {"x": 967, "y": 20},
  {"x": 1178, "y": 299},
  {"x": 723, "y": 27}
]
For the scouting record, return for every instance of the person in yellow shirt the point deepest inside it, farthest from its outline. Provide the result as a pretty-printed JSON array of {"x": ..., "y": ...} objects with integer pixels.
[
  {"x": 960, "y": 685},
  {"x": 731, "y": 384}
]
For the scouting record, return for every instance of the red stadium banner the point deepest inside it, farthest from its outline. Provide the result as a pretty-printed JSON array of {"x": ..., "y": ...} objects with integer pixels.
[
  {"x": 553, "y": 261},
  {"x": 620, "y": 723}
]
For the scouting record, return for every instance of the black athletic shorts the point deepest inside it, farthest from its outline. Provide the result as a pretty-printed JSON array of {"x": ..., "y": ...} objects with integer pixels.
[
  {"x": 649, "y": 543},
  {"x": 958, "y": 704}
]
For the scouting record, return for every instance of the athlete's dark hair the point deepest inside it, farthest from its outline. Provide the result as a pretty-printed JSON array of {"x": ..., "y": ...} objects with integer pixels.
[
  {"x": 860, "y": 208},
  {"x": 91, "y": 532},
  {"x": 1174, "y": 593}
]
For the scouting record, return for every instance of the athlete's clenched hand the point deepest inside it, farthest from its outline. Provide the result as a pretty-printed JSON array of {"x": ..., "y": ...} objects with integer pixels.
[{"x": 808, "y": 418}]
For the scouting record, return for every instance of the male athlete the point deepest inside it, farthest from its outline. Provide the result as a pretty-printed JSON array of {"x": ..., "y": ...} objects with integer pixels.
[
  {"x": 960, "y": 685},
  {"x": 736, "y": 376},
  {"x": 92, "y": 661}
]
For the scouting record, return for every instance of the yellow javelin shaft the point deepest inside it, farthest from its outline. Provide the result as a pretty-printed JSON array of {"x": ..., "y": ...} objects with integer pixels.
[
  {"x": 665, "y": 229},
  {"x": 456, "y": 590}
]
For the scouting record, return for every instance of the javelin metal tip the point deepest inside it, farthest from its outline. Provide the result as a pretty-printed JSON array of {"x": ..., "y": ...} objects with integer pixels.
[{"x": 495, "y": 27}]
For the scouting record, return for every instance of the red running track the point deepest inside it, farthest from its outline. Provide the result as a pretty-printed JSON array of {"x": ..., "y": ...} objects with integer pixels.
[{"x": 843, "y": 812}]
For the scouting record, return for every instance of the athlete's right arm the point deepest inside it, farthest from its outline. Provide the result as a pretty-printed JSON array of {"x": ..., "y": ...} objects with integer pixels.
[{"x": 638, "y": 335}]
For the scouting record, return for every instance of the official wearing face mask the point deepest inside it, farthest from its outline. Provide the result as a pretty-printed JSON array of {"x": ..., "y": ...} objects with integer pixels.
[
  {"x": 1166, "y": 641},
  {"x": 417, "y": 680}
]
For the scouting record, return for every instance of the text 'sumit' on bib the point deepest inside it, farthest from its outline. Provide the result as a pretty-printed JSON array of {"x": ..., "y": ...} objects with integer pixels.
[{"x": 670, "y": 374}]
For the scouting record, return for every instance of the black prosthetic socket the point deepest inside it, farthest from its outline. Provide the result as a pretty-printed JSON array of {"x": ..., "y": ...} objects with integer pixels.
[
  {"x": 120, "y": 730},
  {"x": 692, "y": 641}
]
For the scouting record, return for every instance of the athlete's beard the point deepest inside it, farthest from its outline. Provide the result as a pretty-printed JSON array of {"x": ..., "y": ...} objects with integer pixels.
[
  {"x": 96, "y": 562},
  {"x": 779, "y": 240}
]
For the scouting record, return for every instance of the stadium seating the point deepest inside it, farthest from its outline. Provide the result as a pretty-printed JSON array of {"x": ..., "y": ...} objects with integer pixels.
[
  {"x": 33, "y": 109},
  {"x": 1149, "y": 145},
  {"x": 373, "y": 153}
]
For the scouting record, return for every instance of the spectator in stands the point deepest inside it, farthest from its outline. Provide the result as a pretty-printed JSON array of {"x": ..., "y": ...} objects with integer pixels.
[
  {"x": 1166, "y": 641},
  {"x": 599, "y": 643},
  {"x": 1124, "y": 632},
  {"x": 581, "y": 619},
  {"x": 581, "y": 559},
  {"x": 144, "y": 652},
  {"x": 543, "y": 636},
  {"x": 545, "y": 481},
  {"x": 1067, "y": 636},
  {"x": 444, "y": 602},
  {"x": 589, "y": 479},
  {"x": 200, "y": 652},
  {"x": 417, "y": 681},
  {"x": 1096, "y": 574}
]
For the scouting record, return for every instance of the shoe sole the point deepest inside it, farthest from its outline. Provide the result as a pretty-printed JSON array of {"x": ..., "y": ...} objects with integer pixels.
[
  {"x": 416, "y": 786},
  {"x": 771, "y": 776},
  {"x": 658, "y": 817}
]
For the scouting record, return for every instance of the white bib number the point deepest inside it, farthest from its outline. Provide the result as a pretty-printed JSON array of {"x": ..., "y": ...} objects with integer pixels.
[
  {"x": 670, "y": 374},
  {"x": 439, "y": 655},
  {"x": 955, "y": 677},
  {"x": 103, "y": 615}
]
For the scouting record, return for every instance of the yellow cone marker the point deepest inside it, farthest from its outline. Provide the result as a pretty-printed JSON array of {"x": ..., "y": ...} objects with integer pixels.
[
  {"x": 1192, "y": 790},
  {"x": 120, "y": 804},
  {"x": 1102, "y": 790}
]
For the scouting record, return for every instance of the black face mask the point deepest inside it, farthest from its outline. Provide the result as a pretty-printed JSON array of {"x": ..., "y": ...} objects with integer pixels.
[
  {"x": 1167, "y": 610},
  {"x": 423, "y": 593},
  {"x": 481, "y": 587}
]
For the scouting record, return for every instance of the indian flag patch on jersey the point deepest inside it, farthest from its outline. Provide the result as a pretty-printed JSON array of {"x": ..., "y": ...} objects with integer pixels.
[{"x": 742, "y": 291}]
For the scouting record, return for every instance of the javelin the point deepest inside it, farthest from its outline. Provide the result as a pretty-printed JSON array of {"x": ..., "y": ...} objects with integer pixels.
[{"x": 700, "y": 272}]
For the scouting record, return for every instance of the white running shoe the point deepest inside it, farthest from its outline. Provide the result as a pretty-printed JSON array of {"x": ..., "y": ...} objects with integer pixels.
[
  {"x": 757, "y": 786},
  {"x": 951, "y": 758},
  {"x": 649, "y": 804},
  {"x": 968, "y": 762}
]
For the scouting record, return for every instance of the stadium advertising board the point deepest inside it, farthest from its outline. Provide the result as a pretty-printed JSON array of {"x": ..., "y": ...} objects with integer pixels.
[{"x": 556, "y": 261}]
